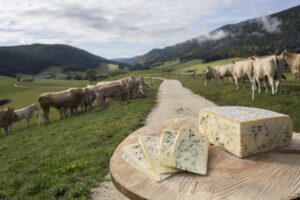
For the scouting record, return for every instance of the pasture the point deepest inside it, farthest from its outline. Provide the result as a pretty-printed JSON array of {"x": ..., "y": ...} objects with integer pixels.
[{"x": 66, "y": 158}]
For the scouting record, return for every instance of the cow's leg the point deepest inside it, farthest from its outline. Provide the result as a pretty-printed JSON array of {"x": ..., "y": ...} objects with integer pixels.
[
  {"x": 65, "y": 112},
  {"x": 258, "y": 85},
  {"x": 46, "y": 115},
  {"x": 61, "y": 113},
  {"x": 236, "y": 82},
  {"x": 100, "y": 102},
  {"x": 253, "y": 88},
  {"x": 271, "y": 80},
  {"x": 266, "y": 86},
  {"x": 277, "y": 82},
  {"x": 72, "y": 111},
  {"x": 220, "y": 80},
  {"x": 6, "y": 130}
]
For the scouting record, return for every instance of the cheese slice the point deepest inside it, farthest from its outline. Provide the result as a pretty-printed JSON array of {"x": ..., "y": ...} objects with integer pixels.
[
  {"x": 244, "y": 131},
  {"x": 133, "y": 154},
  {"x": 167, "y": 141},
  {"x": 150, "y": 146},
  {"x": 190, "y": 151}
]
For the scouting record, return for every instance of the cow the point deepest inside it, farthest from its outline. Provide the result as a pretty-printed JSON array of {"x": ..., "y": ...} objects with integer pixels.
[
  {"x": 27, "y": 112},
  {"x": 71, "y": 99},
  {"x": 115, "y": 91},
  {"x": 224, "y": 71},
  {"x": 270, "y": 67},
  {"x": 242, "y": 69},
  {"x": 293, "y": 59},
  {"x": 7, "y": 117},
  {"x": 89, "y": 97},
  {"x": 210, "y": 74},
  {"x": 140, "y": 86}
]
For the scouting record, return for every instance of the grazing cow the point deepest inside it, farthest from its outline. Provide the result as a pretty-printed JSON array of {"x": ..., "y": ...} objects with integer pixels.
[
  {"x": 115, "y": 91},
  {"x": 140, "y": 86},
  {"x": 242, "y": 69},
  {"x": 27, "y": 112},
  {"x": 71, "y": 99},
  {"x": 133, "y": 85},
  {"x": 7, "y": 117},
  {"x": 224, "y": 71},
  {"x": 89, "y": 97},
  {"x": 270, "y": 67},
  {"x": 210, "y": 74},
  {"x": 4, "y": 101},
  {"x": 293, "y": 59}
]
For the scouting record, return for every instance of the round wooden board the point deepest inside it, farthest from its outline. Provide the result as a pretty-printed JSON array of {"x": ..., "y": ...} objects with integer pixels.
[{"x": 271, "y": 175}]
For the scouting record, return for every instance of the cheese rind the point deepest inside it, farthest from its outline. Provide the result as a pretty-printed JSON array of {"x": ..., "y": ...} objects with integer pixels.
[
  {"x": 167, "y": 141},
  {"x": 190, "y": 151},
  {"x": 133, "y": 154},
  {"x": 150, "y": 146},
  {"x": 244, "y": 131}
]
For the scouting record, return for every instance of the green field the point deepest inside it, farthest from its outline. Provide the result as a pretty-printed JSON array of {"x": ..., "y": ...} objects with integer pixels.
[
  {"x": 66, "y": 158},
  {"x": 192, "y": 65}
]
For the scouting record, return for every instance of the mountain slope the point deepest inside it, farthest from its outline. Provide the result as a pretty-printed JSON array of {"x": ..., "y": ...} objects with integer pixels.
[
  {"x": 31, "y": 59},
  {"x": 260, "y": 36}
]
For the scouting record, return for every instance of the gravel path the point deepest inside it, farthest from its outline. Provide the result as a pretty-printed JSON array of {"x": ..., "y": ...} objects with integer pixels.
[{"x": 174, "y": 101}]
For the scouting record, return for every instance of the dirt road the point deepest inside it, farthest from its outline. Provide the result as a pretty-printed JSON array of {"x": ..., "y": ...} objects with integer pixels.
[{"x": 174, "y": 101}]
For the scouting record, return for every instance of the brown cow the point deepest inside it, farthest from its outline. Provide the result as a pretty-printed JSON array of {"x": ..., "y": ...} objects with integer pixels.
[
  {"x": 89, "y": 97},
  {"x": 293, "y": 59},
  {"x": 7, "y": 117},
  {"x": 210, "y": 74},
  {"x": 115, "y": 91},
  {"x": 71, "y": 99},
  {"x": 27, "y": 112}
]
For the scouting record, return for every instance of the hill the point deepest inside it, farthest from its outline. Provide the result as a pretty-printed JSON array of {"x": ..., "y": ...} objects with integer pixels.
[
  {"x": 32, "y": 59},
  {"x": 260, "y": 36}
]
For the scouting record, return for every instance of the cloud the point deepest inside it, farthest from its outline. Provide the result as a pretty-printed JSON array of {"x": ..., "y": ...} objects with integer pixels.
[
  {"x": 270, "y": 24},
  {"x": 215, "y": 35},
  {"x": 137, "y": 25}
]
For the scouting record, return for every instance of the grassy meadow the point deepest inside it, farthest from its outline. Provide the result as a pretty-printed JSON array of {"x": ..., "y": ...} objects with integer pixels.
[
  {"x": 192, "y": 65},
  {"x": 66, "y": 158}
]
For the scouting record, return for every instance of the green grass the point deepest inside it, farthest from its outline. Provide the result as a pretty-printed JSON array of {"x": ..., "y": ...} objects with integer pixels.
[
  {"x": 197, "y": 65},
  {"x": 66, "y": 158},
  {"x": 112, "y": 67}
]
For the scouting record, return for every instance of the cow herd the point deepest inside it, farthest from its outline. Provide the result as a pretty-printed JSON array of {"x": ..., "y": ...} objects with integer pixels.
[
  {"x": 266, "y": 69},
  {"x": 68, "y": 102}
]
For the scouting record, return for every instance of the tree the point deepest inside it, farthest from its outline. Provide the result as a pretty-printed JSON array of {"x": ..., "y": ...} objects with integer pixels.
[{"x": 91, "y": 75}]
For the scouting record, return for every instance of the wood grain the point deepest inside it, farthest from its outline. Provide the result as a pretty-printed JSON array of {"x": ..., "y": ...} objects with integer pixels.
[{"x": 271, "y": 175}]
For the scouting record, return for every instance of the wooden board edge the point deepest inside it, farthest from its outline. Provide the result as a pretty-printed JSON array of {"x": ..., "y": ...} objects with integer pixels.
[{"x": 126, "y": 192}]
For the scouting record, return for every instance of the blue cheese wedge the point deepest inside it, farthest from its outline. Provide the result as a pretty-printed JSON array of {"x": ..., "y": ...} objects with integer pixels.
[
  {"x": 190, "y": 151},
  {"x": 134, "y": 155},
  {"x": 167, "y": 141},
  {"x": 244, "y": 131},
  {"x": 150, "y": 146}
]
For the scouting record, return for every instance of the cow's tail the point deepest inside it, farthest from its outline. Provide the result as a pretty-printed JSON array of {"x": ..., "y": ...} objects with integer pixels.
[{"x": 276, "y": 62}]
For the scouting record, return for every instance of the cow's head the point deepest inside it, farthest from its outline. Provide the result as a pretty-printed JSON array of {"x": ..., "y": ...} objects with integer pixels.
[
  {"x": 11, "y": 115},
  {"x": 281, "y": 62}
]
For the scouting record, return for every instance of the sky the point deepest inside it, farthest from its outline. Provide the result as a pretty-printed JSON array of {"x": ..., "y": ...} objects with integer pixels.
[{"x": 123, "y": 28}]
